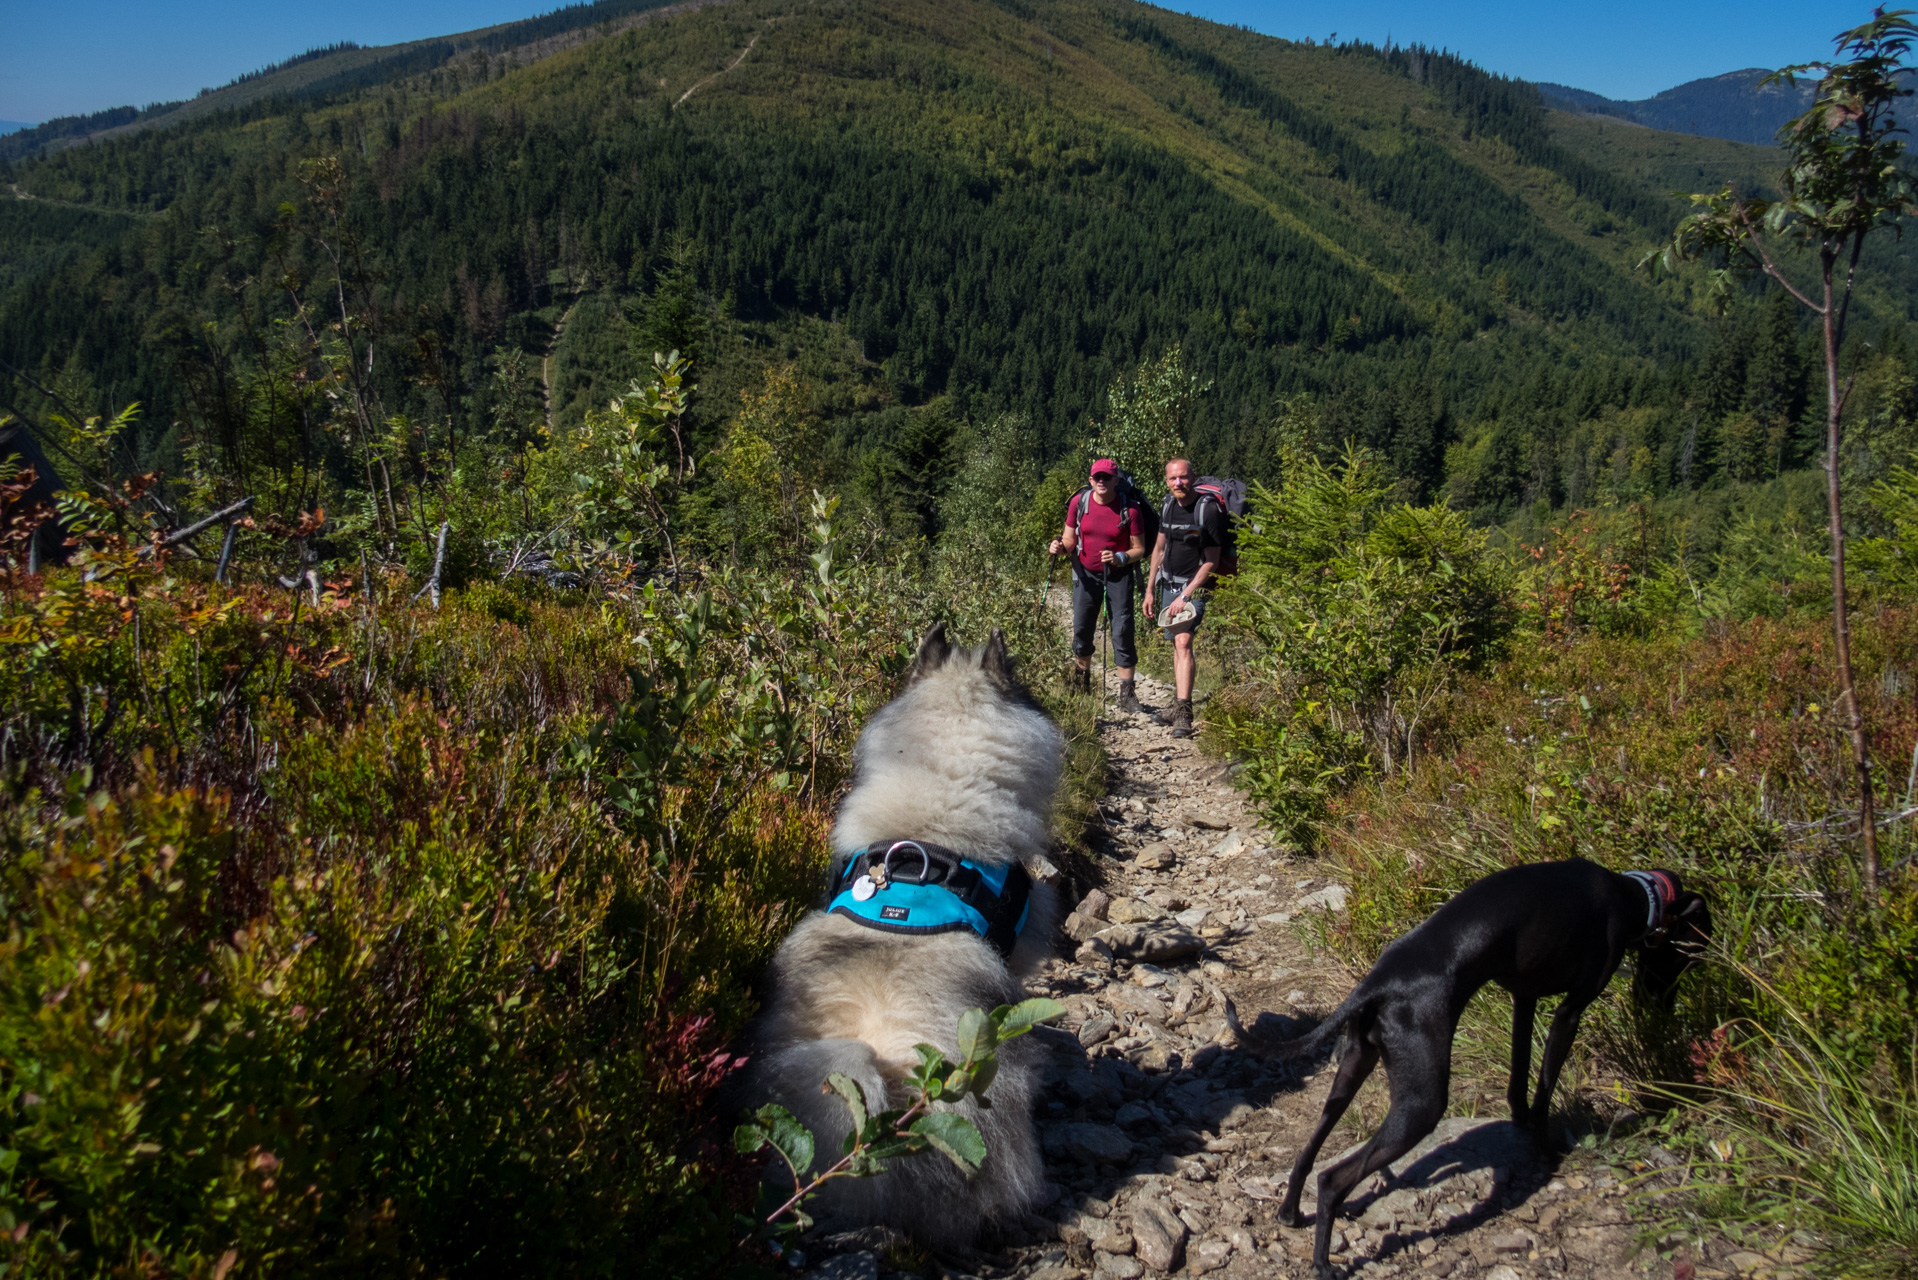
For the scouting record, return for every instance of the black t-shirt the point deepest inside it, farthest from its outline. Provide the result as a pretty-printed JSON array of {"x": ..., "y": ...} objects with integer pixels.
[{"x": 1189, "y": 533}]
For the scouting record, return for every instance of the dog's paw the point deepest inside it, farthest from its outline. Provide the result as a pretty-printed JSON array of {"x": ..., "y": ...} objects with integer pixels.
[
  {"x": 1290, "y": 1217},
  {"x": 1548, "y": 1151}
]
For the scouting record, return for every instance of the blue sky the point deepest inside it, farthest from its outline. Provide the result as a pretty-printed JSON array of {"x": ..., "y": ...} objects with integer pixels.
[{"x": 83, "y": 55}]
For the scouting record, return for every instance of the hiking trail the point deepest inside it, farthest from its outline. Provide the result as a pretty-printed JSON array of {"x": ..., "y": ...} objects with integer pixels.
[
  {"x": 722, "y": 71},
  {"x": 546, "y": 364},
  {"x": 1168, "y": 1144}
]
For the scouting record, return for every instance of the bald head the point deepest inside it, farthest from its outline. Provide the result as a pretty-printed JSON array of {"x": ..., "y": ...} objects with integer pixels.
[{"x": 1178, "y": 478}]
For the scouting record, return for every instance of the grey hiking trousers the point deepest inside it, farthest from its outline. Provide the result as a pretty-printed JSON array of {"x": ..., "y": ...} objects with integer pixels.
[{"x": 1089, "y": 591}]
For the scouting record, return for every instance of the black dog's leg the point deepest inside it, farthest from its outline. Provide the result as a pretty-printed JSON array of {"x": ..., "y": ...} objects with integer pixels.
[
  {"x": 1418, "y": 1062},
  {"x": 1522, "y": 1012},
  {"x": 1357, "y": 1056},
  {"x": 1558, "y": 1043}
]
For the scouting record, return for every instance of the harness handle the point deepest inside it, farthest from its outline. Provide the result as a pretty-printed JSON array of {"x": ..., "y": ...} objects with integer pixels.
[{"x": 925, "y": 859}]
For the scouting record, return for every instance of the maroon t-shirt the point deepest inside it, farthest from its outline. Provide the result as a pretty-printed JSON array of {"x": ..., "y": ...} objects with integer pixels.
[{"x": 1103, "y": 528}]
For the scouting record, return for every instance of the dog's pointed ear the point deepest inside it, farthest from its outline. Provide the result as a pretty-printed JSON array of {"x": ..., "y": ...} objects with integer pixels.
[
  {"x": 996, "y": 662},
  {"x": 933, "y": 652}
]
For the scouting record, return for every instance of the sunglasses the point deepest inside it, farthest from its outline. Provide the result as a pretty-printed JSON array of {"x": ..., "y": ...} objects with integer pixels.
[{"x": 1103, "y": 477}]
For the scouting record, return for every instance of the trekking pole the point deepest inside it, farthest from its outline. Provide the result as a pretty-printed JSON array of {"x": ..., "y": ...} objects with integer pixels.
[
  {"x": 1105, "y": 650},
  {"x": 1045, "y": 588}
]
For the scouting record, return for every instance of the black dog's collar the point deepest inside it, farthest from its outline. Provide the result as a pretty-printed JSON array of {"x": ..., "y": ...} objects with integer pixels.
[{"x": 1662, "y": 893}]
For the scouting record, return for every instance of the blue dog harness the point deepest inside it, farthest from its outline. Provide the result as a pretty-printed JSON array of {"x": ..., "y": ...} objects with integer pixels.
[{"x": 908, "y": 886}]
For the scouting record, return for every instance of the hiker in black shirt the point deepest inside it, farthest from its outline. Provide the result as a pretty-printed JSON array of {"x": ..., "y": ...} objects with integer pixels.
[{"x": 1186, "y": 555}]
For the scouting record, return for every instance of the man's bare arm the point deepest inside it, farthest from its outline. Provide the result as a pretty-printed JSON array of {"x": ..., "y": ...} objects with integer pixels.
[
  {"x": 1204, "y": 571},
  {"x": 1151, "y": 601}
]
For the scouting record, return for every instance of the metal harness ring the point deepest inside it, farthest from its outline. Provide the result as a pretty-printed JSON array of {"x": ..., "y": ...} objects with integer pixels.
[{"x": 925, "y": 859}]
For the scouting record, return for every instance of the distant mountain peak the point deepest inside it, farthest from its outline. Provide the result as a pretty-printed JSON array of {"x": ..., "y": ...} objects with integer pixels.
[{"x": 1737, "y": 105}]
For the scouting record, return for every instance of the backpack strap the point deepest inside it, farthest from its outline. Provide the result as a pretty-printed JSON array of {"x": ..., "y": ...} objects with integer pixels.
[{"x": 1128, "y": 503}]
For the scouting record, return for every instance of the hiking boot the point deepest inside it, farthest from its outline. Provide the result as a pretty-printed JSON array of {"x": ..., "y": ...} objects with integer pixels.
[
  {"x": 1182, "y": 718},
  {"x": 1129, "y": 697},
  {"x": 1079, "y": 680}
]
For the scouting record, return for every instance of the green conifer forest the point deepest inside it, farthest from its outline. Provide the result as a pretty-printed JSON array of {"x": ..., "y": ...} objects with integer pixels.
[{"x": 1002, "y": 208}]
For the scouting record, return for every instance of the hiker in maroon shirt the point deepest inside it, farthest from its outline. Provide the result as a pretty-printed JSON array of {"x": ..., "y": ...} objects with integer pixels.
[{"x": 1106, "y": 535}]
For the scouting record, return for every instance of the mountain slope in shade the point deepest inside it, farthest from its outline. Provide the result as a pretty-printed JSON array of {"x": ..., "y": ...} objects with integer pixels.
[
  {"x": 1737, "y": 105},
  {"x": 338, "y": 70}
]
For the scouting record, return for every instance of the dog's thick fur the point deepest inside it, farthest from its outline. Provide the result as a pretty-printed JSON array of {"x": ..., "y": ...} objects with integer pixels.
[
  {"x": 1552, "y": 928},
  {"x": 964, "y": 759}
]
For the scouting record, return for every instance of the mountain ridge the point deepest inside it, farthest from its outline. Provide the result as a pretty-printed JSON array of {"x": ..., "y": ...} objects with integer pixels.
[
  {"x": 1736, "y": 105},
  {"x": 1732, "y": 105},
  {"x": 317, "y": 73}
]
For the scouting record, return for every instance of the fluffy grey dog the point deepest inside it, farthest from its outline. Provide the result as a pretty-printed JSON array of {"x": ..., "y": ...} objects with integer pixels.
[{"x": 962, "y": 759}]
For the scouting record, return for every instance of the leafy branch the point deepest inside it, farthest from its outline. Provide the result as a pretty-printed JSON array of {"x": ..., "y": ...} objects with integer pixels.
[
  {"x": 878, "y": 1137},
  {"x": 630, "y": 486}
]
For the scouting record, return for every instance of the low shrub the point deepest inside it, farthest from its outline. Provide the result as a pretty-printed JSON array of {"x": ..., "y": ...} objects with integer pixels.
[
  {"x": 1649, "y": 716},
  {"x": 1354, "y": 614},
  {"x": 361, "y": 936}
]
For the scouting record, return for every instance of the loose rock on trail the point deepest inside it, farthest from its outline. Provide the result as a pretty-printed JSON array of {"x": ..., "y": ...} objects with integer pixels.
[{"x": 1168, "y": 1142}]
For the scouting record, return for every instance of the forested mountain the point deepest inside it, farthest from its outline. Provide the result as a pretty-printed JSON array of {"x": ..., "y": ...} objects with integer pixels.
[
  {"x": 998, "y": 206},
  {"x": 1738, "y": 106},
  {"x": 331, "y": 70}
]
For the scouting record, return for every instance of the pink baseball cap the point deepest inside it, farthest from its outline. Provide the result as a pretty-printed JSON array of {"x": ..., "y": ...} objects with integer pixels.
[{"x": 1105, "y": 464}]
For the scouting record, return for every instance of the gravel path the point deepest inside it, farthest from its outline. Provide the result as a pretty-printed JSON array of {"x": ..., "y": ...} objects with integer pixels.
[{"x": 1169, "y": 1142}]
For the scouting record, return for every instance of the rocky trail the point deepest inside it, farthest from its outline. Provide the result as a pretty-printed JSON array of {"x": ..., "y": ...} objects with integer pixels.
[{"x": 1168, "y": 1141}]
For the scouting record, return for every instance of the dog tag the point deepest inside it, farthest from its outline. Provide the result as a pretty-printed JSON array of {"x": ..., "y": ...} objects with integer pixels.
[{"x": 862, "y": 888}]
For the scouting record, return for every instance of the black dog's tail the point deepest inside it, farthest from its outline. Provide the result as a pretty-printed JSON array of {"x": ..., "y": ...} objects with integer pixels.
[{"x": 1320, "y": 1036}]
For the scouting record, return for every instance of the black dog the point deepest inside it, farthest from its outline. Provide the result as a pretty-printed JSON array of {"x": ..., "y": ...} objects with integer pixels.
[{"x": 1540, "y": 930}]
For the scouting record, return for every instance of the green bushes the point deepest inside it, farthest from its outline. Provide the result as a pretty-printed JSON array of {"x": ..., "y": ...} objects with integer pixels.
[
  {"x": 1716, "y": 756},
  {"x": 1719, "y": 756},
  {"x": 407, "y": 1000},
  {"x": 1893, "y": 558},
  {"x": 1358, "y": 613},
  {"x": 420, "y": 1061},
  {"x": 364, "y": 937},
  {"x": 1606, "y": 695}
]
